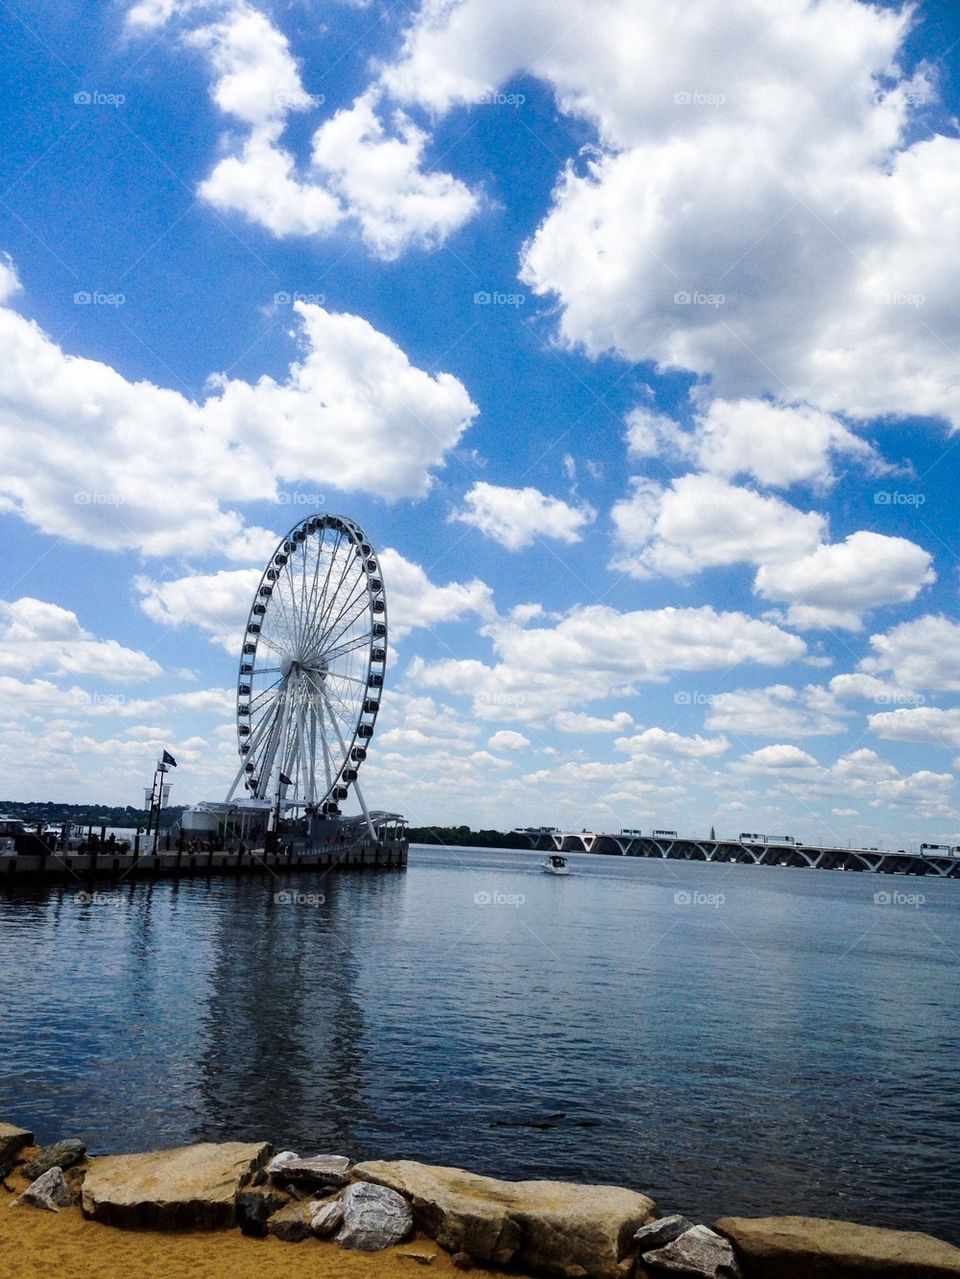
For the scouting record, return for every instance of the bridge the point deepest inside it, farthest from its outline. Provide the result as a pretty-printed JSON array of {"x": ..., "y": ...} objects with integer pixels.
[{"x": 944, "y": 863}]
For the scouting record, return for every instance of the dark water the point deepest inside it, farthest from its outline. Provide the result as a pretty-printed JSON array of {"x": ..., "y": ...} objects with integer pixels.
[{"x": 793, "y": 1047}]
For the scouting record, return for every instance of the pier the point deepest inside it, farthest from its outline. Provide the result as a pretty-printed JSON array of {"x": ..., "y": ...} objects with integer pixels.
[{"x": 943, "y": 863}]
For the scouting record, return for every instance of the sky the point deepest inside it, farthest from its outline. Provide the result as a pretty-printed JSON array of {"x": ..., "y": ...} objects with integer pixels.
[{"x": 627, "y": 330}]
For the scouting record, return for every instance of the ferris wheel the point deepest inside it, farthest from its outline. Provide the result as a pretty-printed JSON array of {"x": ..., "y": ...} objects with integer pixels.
[{"x": 311, "y": 669}]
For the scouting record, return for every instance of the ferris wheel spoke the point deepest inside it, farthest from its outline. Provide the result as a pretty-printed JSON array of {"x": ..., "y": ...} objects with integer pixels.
[
  {"x": 321, "y": 619},
  {"x": 359, "y": 595},
  {"x": 362, "y": 641},
  {"x": 331, "y": 639}
]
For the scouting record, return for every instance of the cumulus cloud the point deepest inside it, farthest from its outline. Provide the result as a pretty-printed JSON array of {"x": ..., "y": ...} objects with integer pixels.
[
  {"x": 833, "y": 585},
  {"x": 218, "y": 603},
  {"x": 42, "y": 637},
  {"x": 776, "y": 711},
  {"x": 659, "y": 741},
  {"x": 508, "y": 740},
  {"x": 364, "y": 171},
  {"x": 926, "y": 724},
  {"x": 702, "y": 521},
  {"x": 924, "y": 653},
  {"x": 596, "y": 652},
  {"x": 516, "y": 518},
  {"x": 777, "y": 445},
  {"x": 93, "y": 482},
  {"x": 757, "y": 206}
]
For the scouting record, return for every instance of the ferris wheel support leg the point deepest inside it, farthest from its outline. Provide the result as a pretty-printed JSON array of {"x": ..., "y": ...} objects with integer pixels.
[{"x": 370, "y": 826}]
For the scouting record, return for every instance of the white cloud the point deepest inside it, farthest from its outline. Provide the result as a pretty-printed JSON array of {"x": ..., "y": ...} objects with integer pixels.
[
  {"x": 517, "y": 517},
  {"x": 94, "y": 482},
  {"x": 595, "y": 652},
  {"x": 658, "y": 741},
  {"x": 42, "y": 637},
  {"x": 775, "y": 711},
  {"x": 218, "y": 602},
  {"x": 774, "y": 758},
  {"x": 508, "y": 740},
  {"x": 702, "y": 521},
  {"x": 924, "y": 653},
  {"x": 362, "y": 171},
  {"x": 577, "y": 722},
  {"x": 763, "y": 157},
  {"x": 926, "y": 724},
  {"x": 833, "y": 585}
]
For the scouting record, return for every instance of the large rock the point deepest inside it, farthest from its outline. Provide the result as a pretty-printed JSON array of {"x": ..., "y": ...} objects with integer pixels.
[
  {"x": 254, "y": 1206},
  {"x": 660, "y": 1232},
  {"x": 293, "y": 1223},
  {"x": 563, "y": 1228},
  {"x": 12, "y": 1141},
  {"x": 317, "y": 1172},
  {"x": 62, "y": 1155},
  {"x": 328, "y": 1219},
  {"x": 49, "y": 1191},
  {"x": 811, "y": 1248},
  {"x": 374, "y": 1217},
  {"x": 189, "y": 1188},
  {"x": 699, "y": 1252}
]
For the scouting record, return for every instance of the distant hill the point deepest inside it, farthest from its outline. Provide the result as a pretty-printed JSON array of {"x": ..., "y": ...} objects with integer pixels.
[
  {"x": 465, "y": 836},
  {"x": 83, "y": 814}
]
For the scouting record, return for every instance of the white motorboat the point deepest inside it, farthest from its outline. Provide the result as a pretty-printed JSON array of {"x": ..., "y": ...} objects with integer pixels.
[{"x": 555, "y": 865}]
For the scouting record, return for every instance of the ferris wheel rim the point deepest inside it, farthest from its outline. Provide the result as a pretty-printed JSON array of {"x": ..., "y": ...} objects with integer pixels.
[{"x": 311, "y": 643}]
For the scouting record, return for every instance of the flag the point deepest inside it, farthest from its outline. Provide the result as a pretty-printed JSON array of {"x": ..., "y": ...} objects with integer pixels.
[
  {"x": 168, "y": 759},
  {"x": 285, "y": 780}
]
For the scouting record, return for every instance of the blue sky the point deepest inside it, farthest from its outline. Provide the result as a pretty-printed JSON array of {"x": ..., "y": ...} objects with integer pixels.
[{"x": 628, "y": 332}]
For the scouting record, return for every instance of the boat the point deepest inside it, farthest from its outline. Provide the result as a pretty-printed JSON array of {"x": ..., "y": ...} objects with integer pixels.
[{"x": 555, "y": 865}]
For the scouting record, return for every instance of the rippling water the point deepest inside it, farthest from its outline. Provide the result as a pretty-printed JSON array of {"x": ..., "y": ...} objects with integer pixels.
[{"x": 728, "y": 1038}]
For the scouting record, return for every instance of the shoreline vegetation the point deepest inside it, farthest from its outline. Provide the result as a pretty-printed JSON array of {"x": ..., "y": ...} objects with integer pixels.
[{"x": 232, "y": 1211}]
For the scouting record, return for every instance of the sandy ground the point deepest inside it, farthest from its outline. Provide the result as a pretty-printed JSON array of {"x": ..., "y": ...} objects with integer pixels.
[{"x": 34, "y": 1242}]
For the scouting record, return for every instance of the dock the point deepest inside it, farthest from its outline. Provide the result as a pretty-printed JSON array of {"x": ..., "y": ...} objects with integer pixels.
[{"x": 104, "y": 865}]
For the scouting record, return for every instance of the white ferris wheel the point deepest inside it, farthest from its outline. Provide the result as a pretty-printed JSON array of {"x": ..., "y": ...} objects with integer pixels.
[{"x": 311, "y": 669}]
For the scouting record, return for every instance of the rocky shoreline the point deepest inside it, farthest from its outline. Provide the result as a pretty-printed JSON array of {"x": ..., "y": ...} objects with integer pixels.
[{"x": 396, "y": 1207}]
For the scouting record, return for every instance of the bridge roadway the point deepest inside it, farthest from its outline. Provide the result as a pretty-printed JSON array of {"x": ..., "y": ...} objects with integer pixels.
[{"x": 753, "y": 853}]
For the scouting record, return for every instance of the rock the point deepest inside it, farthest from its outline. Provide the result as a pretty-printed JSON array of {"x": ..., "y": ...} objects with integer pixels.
[
  {"x": 277, "y": 1164},
  {"x": 49, "y": 1191},
  {"x": 698, "y": 1252},
  {"x": 660, "y": 1232},
  {"x": 255, "y": 1205},
  {"x": 374, "y": 1217},
  {"x": 62, "y": 1155},
  {"x": 808, "y": 1247},
  {"x": 188, "y": 1188},
  {"x": 421, "y": 1258},
  {"x": 567, "y": 1229},
  {"x": 462, "y": 1261},
  {"x": 12, "y": 1141},
  {"x": 292, "y": 1224},
  {"x": 328, "y": 1219},
  {"x": 317, "y": 1172}
]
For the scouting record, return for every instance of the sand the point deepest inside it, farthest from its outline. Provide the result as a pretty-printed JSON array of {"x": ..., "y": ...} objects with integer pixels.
[{"x": 34, "y": 1242}]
